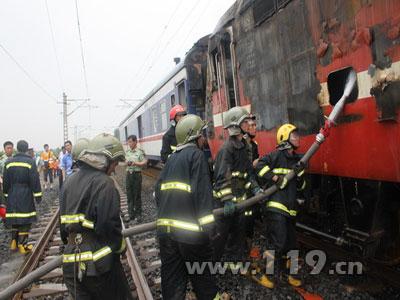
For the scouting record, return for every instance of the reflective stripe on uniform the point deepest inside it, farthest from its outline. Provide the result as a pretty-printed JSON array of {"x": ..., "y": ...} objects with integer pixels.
[
  {"x": 175, "y": 186},
  {"x": 281, "y": 171},
  {"x": 223, "y": 192},
  {"x": 173, "y": 148},
  {"x": 178, "y": 224},
  {"x": 206, "y": 219},
  {"x": 68, "y": 219},
  {"x": 282, "y": 207},
  {"x": 263, "y": 171},
  {"x": 19, "y": 164},
  {"x": 87, "y": 255},
  {"x": 37, "y": 194},
  {"x": 5, "y": 195},
  {"x": 248, "y": 213},
  {"x": 247, "y": 185},
  {"x": 20, "y": 215},
  {"x": 303, "y": 186},
  {"x": 238, "y": 174},
  {"x": 239, "y": 199}
]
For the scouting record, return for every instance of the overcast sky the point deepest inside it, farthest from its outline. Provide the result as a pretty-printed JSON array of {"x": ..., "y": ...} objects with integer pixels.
[{"x": 128, "y": 47}]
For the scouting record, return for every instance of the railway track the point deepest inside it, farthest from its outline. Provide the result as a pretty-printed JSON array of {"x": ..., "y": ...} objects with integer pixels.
[{"x": 387, "y": 274}]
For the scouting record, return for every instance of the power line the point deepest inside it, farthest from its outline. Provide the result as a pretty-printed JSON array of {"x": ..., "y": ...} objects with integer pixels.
[
  {"x": 27, "y": 74},
  {"x": 156, "y": 45},
  {"x": 54, "y": 46},
  {"x": 173, "y": 36},
  {"x": 80, "y": 40}
]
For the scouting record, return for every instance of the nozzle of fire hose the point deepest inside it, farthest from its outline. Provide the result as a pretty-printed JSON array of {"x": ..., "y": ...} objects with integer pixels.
[{"x": 326, "y": 130}]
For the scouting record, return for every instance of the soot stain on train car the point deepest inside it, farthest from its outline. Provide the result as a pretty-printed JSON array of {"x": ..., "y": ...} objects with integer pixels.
[{"x": 278, "y": 68}]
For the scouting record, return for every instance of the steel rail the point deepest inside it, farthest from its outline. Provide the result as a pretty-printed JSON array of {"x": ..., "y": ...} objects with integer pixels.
[
  {"x": 142, "y": 287},
  {"x": 33, "y": 258}
]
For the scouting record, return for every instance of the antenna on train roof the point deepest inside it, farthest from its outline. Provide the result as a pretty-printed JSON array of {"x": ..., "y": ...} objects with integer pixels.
[{"x": 177, "y": 60}]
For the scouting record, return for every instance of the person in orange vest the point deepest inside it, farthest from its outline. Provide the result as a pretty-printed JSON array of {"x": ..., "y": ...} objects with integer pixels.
[{"x": 47, "y": 166}]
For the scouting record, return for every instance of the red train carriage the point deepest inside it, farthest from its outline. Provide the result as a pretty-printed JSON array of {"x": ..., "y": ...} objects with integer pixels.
[{"x": 287, "y": 61}]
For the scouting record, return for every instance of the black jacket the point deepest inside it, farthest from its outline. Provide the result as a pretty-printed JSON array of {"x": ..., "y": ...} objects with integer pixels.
[
  {"x": 168, "y": 144},
  {"x": 280, "y": 162},
  {"x": 232, "y": 171},
  {"x": 184, "y": 197},
  {"x": 20, "y": 185},
  {"x": 90, "y": 204}
]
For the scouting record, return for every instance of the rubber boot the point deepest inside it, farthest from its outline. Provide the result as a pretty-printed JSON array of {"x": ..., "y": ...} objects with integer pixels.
[
  {"x": 14, "y": 239},
  {"x": 262, "y": 279},
  {"x": 286, "y": 277},
  {"x": 23, "y": 246},
  {"x": 222, "y": 296}
]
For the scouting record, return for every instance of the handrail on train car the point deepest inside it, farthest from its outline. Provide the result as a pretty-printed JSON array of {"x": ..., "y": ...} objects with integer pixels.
[{"x": 320, "y": 138}]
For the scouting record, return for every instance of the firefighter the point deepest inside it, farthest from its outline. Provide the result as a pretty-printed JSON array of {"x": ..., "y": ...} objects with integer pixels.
[
  {"x": 185, "y": 221},
  {"x": 90, "y": 213},
  {"x": 254, "y": 211},
  {"x": 21, "y": 187},
  {"x": 232, "y": 177},
  {"x": 281, "y": 207},
  {"x": 169, "y": 139}
]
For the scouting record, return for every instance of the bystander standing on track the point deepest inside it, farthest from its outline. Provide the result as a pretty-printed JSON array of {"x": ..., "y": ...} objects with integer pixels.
[
  {"x": 47, "y": 166},
  {"x": 8, "y": 153},
  {"x": 66, "y": 163},
  {"x": 21, "y": 186},
  {"x": 90, "y": 213},
  {"x": 60, "y": 158},
  {"x": 136, "y": 159}
]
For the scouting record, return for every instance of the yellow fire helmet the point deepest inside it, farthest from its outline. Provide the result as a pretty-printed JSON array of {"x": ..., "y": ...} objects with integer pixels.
[{"x": 284, "y": 132}]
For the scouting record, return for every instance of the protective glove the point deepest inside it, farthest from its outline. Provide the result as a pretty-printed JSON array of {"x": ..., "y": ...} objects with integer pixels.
[
  {"x": 229, "y": 208},
  {"x": 38, "y": 199},
  {"x": 210, "y": 229},
  {"x": 298, "y": 168},
  {"x": 3, "y": 211},
  {"x": 281, "y": 182},
  {"x": 129, "y": 163}
]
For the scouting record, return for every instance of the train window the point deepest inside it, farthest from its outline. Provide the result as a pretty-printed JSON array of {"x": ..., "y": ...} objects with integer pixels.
[
  {"x": 163, "y": 113},
  {"x": 230, "y": 85},
  {"x": 140, "y": 129},
  {"x": 336, "y": 84},
  {"x": 155, "y": 119},
  {"x": 182, "y": 94},
  {"x": 172, "y": 100}
]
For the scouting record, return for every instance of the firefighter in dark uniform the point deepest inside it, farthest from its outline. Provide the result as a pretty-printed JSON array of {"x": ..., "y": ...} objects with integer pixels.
[
  {"x": 90, "y": 215},
  {"x": 281, "y": 207},
  {"x": 78, "y": 149},
  {"x": 169, "y": 139},
  {"x": 232, "y": 177},
  {"x": 254, "y": 211},
  {"x": 21, "y": 186},
  {"x": 185, "y": 221}
]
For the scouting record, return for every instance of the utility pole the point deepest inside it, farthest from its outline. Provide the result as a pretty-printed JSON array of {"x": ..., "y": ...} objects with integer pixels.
[
  {"x": 65, "y": 117},
  {"x": 66, "y": 114}
]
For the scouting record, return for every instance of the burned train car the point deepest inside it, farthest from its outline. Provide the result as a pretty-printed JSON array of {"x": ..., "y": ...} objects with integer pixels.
[
  {"x": 184, "y": 85},
  {"x": 287, "y": 61}
]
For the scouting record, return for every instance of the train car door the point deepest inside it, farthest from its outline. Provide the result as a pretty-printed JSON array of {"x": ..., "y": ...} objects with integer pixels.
[{"x": 182, "y": 94}]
